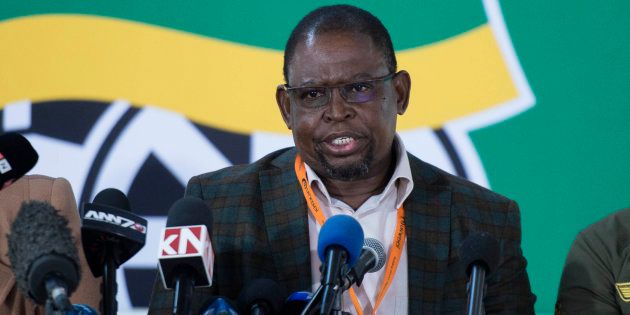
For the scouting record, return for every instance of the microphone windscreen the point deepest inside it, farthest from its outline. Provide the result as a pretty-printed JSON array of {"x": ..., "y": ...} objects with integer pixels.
[
  {"x": 17, "y": 156},
  {"x": 189, "y": 211},
  {"x": 40, "y": 232},
  {"x": 480, "y": 248},
  {"x": 343, "y": 231},
  {"x": 114, "y": 198},
  {"x": 264, "y": 292}
]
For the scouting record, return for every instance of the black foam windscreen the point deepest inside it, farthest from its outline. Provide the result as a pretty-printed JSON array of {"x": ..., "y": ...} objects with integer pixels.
[
  {"x": 40, "y": 244},
  {"x": 189, "y": 211},
  {"x": 480, "y": 248},
  {"x": 266, "y": 293},
  {"x": 114, "y": 198},
  {"x": 17, "y": 156}
]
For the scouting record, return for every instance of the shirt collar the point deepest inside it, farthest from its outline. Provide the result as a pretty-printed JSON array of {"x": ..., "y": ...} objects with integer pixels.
[{"x": 401, "y": 179}]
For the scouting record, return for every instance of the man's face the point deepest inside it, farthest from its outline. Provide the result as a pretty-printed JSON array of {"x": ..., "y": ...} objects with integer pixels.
[{"x": 343, "y": 140}]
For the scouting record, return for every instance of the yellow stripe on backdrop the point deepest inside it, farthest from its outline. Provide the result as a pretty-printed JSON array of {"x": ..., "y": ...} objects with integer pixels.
[{"x": 219, "y": 83}]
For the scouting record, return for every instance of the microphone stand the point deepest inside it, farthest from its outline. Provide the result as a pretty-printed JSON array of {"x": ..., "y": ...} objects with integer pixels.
[
  {"x": 314, "y": 305},
  {"x": 183, "y": 292},
  {"x": 108, "y": 287},
  {"x": 476, "y": 291}
]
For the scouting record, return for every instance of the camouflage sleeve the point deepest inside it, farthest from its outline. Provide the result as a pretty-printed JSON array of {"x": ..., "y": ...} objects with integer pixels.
[{"x": 587, "y": 283}]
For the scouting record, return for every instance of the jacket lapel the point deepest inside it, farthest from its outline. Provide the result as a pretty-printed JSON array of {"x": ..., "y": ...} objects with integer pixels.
[
  {"x": 286, "y": 219},
  {"x": 427, "y": 216}
]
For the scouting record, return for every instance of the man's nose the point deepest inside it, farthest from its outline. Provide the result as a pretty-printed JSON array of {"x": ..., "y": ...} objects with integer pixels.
[{"x": 338, "y": 108}]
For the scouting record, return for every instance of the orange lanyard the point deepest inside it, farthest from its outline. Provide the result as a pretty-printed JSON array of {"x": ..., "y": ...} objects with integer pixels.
[{"x": 395, "y": 251}]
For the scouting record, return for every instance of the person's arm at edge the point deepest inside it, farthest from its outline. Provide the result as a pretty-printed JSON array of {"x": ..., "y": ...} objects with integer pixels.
[{"x": 586, "y": 282}]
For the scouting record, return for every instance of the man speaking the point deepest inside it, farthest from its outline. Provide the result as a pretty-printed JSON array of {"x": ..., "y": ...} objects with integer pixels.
[{"x": 341, "y": 100}]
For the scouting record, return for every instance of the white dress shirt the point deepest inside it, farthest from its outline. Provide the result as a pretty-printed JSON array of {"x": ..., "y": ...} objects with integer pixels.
[{"x": 377, "y": 216}]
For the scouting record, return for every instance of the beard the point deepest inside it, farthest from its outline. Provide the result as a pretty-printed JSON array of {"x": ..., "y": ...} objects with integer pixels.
[{"x": 353, "y": 171}]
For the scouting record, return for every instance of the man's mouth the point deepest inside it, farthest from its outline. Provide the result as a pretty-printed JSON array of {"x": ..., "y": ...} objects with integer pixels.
[
  {"x": 342, "y": 140},
  {"x": 342, "y": 144}
]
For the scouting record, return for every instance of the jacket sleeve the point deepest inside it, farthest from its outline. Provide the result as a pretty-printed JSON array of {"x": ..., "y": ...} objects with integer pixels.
[{"x": 509, "y": 290}]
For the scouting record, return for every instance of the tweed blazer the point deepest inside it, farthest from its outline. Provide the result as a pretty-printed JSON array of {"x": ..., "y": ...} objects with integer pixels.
[
  {"x": 58, "y": 193},
  {"x": 261, "y": 231}
]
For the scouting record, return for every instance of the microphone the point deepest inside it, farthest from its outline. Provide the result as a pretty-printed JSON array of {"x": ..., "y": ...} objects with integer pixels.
[
  {"x": 480, "y": 254},
  {"x": 186, "y": 258},
  {"x": 296, "y": 302},
  {"x": 43, "y": 256},
  {"x": 17, "y": 157},
  {"x": 261, "y": 297},
  {"x": 111, "y": 235},
  {"x": 372, "y": 259},
  {"x": 219, "y": 305},
  {"x": 81, "y": 309},
  {"x": 339, "y": 245}
]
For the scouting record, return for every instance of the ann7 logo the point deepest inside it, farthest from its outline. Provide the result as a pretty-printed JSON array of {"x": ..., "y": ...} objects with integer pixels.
[{"x": 187, "y": 240}]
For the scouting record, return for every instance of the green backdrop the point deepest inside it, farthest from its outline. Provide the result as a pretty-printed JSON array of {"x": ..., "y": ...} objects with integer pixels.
[{"x": 565, "y": 160}]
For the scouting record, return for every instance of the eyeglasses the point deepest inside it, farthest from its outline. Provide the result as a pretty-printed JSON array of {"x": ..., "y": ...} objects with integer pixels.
[{"x": 355, "y": 92}]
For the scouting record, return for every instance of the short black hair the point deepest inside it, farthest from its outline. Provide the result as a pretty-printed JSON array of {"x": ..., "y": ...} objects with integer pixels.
[{"x": 341, "y": 18}]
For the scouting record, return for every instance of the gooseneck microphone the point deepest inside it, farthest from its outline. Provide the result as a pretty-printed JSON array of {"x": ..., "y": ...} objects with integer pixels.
[
  {"x": 17, "y": 157},
  {"x": 186, "y": 257},
  {"x": 43, "y": 256},
  {"x": 339, "y": 246},
  {"x": 261, "y": 297},
  {"x": 480, "y": 254},
  {"x": 111, "y": 235},
  {"x": 372, "y": 259}
]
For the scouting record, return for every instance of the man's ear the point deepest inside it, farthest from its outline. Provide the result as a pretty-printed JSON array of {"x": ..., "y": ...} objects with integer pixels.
[
  {"x": 284, "y": 104},
  {"x": 402, "y": 85}
]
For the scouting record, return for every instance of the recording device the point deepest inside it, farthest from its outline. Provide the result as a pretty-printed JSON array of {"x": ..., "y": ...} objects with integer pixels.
[
  {"x": 218, "y": 305},
  {"x": 111, "y": 235},
  {"x": 338, "y": 246},
  {"x": 480, "y": 254},
  {"x": 17, "y": 157},
  {"x": 372, "y": 259},
  {"x": 43, "y": 256},
  {"x": 185, "y": 256},
  {"x": 261, "y": 297}
]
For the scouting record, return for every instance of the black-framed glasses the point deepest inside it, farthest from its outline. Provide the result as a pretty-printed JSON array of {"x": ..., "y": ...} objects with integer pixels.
[{"x": 354, "y": 92}]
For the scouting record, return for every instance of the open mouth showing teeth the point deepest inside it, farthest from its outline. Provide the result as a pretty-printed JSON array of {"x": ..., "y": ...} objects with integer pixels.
[{"x": 342, "y": 140}]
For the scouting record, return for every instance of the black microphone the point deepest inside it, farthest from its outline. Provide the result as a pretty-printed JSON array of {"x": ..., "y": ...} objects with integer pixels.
[
  {"x": 480, "y": 254},
  {"x": 17, "y": 157},
  {"x": 111, "y": 235},
  {"x": 43, "y": 256},
  {"x": 186, "y": 256},
  {"x": 261, "y": 297},
  {"x": 372, "y": 259}
]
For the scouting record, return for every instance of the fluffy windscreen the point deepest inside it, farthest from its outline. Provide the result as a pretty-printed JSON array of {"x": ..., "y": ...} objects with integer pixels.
[{"x": 38, "y": 230}]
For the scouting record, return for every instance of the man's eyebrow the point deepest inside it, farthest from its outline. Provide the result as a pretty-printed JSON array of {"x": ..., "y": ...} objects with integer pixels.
[{"x": 355, "y": 78}]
